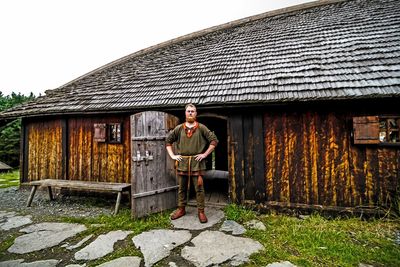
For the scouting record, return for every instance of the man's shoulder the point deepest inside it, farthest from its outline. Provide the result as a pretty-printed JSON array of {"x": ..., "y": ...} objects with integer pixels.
[
  {"x": 179, "y": 126},
  {"x": 202, "y": 126}
]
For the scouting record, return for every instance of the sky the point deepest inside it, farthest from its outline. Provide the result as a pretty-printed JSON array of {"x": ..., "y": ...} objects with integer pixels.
[{"x": 44, "y": 44}]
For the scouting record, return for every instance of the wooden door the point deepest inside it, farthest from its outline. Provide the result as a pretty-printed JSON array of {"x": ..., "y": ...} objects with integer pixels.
[{"x": 154, "y": 185}]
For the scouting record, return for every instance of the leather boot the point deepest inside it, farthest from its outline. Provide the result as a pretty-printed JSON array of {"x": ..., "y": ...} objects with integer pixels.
[
  {"x": 178, "y": 213},
  {"x": 202, "y": 216}
]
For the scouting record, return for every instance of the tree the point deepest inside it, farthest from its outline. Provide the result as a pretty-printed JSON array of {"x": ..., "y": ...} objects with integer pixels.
[{"x": 11, "y": 132}]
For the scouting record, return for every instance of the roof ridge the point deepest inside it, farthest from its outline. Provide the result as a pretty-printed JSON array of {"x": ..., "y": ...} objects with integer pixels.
[{"x": 202, "y": 32}]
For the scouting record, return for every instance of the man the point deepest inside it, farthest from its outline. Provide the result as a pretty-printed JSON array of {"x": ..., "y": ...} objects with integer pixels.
[{"x": 194, "y": 143}]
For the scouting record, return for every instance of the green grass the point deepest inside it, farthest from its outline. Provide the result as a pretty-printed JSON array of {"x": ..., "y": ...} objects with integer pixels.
[
  {"x": 238, "y": 213},
  {"x": 9, "y": 179},
  {"x": 5, "y": 244},
  {"x": 317, "y": 241},
  {"x": 314, "y": 241},
  {"x": 122, "y": 221}
]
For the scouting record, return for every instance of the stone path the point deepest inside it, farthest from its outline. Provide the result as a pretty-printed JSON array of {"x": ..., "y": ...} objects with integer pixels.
[
  {"x": 192, "y": 243},
  {"x": 157, "y": 244},
  {"x": 44, "y": 235},
  {"x": 9, "y": 220}
]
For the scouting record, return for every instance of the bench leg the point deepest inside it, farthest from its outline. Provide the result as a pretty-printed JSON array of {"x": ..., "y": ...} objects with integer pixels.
[
  {"x": 117, "y": 203},
  {"x": 50, "y": 193},
  {"x": 33, "y": 191}
]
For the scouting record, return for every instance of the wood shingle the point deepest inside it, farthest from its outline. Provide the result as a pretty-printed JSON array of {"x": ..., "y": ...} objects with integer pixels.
[{"x": 320, "y": 51}]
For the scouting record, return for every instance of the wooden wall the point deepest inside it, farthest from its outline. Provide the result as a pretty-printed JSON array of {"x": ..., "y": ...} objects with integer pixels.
[
  {"x": 245, "y": 157},
  {"x": 43, "y": 155},
  {"x": 64, "y": 149},
  {"x": 310, "y": 159},
  {"x": 97, "y": 161}
]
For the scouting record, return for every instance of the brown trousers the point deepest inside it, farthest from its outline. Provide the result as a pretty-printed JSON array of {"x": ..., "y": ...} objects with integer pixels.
[{"x": 183, "y": 191}]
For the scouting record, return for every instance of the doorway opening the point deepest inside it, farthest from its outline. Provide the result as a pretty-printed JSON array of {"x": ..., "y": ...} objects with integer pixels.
[{"x": 216, "y": 183}]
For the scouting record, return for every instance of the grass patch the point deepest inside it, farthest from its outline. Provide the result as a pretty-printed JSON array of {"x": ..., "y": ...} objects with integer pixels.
[
  {"x": 122, "y": 221},
  {"x": 317, "y": 241},
  {"x": 121, "y": 251},
  {"x": 4, "y": 245},
  {"x": 9, "y": 179},
  {"x": 239, "y": 213}
]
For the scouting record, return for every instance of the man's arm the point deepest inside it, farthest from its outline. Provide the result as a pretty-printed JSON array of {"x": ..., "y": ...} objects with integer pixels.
[
  {"x": 171, "y": 138},
  {"x": 172, "y": 155},
  {"x": 200, "y": 157}
]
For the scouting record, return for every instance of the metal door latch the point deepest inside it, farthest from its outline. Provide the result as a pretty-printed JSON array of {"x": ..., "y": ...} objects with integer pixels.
[{"x": 140, "y": 158}]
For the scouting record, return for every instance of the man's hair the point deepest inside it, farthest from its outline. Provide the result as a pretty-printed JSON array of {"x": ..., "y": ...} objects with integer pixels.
[{"x": 190, "y": 105}]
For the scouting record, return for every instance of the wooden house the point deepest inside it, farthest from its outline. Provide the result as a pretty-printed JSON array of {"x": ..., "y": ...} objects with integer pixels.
[
  {"x": 4, "y": 167},
  {"x": 305, "y": 102}
]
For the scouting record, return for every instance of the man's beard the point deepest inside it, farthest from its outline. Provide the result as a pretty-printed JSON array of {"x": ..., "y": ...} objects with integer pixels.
[{"x": 190, "y": 119}]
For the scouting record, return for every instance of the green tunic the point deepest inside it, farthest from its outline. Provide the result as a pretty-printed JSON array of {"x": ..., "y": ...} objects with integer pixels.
[{"x": 196, "y": 144}]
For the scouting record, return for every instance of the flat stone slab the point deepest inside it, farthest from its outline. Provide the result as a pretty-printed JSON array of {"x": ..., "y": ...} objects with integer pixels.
[
  {"x": 21, "y": 263},
  {"x": 191, "y": 222},
  {"x": 5, "y": 214},
  {"x": 79, "y": 244},
  {"x": 9, "y": 220},
  {"x": 255, "y": 224},
  {"x": 157, "y": 244},
  {"x": 123, "y": 262},
  {"x": 212, "y": 248},
  {"x": 44, "y": 235},
  {"x": 233, "y": 227},
  {"x": 102, "y": 246}
]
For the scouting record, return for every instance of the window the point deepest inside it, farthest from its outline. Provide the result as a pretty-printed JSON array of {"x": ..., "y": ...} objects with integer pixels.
[
  {"x": 111, "y": 133},
  {"x": 389, "y": 130},
  {"x": 376, "y": 130},
  {"x": 115, "y": 133},
  {"x": 100, "y": 132}
]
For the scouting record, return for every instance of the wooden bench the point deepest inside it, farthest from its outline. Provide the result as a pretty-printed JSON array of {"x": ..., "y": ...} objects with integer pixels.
[{"x": 118, "y": 188}]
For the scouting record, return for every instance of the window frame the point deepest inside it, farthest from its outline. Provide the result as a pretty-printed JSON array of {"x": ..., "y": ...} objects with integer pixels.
[
  {"x": 363, "y": 126},
  {"x": 387, "y": 118},
  {"x": 110, "y": 134}
]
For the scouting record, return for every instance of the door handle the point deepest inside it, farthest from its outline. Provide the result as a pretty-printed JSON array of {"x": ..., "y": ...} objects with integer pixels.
[
  {"x": 138, "y": 158},
  {"x": 147, "y": 157}
]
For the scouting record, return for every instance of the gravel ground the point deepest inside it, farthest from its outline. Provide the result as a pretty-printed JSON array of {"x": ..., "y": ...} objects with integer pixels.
[{"x": 71, "y": 205}]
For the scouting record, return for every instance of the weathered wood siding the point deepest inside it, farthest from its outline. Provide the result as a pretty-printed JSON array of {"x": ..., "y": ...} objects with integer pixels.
[
  {"x": 43, "y": 150},
  {"x": 245, "y": 158},
  {"x": 97, "y": 161},
  {"x": 310, "y": 159},
  {"x": 153, "y": 174}
]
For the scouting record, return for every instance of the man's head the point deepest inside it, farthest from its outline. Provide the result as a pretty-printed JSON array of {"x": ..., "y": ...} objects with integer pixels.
[{"x": 190, "y": 113}]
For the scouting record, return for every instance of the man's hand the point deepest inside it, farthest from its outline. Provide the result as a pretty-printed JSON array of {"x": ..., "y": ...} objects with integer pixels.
[
  {"x": 200, "y": 157},
  {"x": 177, "y": 157}
]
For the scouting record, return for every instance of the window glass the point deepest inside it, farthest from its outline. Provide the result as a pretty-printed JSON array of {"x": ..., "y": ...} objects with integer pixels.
[
  {"x": 115, "y": 133},
  {"x": 389, "y": 130}
]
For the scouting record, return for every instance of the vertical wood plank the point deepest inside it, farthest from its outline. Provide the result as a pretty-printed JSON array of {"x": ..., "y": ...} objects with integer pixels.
[
  {"x": 150, "y": 175},
  {"x": 44, "y": 150},
  {"x": 259, "y": 168},
  {"x": 25, "y": 151},
  {"x": 248, "y": 143},
  {"x": 270, "y": 153},
  {"x": 237, "y": 157},
  {"x": 64, "y": 149}
]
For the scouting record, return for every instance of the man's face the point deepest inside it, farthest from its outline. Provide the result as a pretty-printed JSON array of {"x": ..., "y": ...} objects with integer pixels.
[{"x": 190, "y": 114}]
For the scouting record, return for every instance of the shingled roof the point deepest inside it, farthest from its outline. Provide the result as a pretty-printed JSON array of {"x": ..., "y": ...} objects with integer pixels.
[
  {"x": 4, "y": 167},
  {"x": 326, "y": 50}
]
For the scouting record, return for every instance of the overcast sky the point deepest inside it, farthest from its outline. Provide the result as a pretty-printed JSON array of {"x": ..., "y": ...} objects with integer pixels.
[{"x": 47, "y": 43}]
